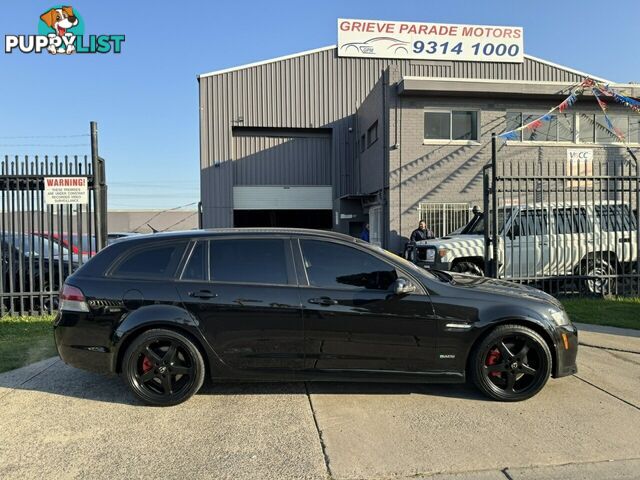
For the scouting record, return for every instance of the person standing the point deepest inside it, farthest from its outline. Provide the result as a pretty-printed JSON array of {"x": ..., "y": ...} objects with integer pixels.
[
  {"x": 364, "y": 234},
  {"x": 421, "y": 233}
]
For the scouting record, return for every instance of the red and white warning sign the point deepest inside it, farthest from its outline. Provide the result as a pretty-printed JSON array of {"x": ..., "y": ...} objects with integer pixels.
[{"x": 66, "y": 190}]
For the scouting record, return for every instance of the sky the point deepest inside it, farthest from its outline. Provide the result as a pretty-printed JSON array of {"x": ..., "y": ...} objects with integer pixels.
[{"x": 145, "y": 99}]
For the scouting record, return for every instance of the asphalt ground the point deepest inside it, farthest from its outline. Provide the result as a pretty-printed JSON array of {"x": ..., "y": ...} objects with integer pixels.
[{"x": 60, "y": 422}]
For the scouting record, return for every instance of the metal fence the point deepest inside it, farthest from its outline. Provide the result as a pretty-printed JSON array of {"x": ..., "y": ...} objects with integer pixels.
[
  {"x": 566, "y": 227},
  {"x": 444, "y": 218},
  {"x": 41, "y": 244}
]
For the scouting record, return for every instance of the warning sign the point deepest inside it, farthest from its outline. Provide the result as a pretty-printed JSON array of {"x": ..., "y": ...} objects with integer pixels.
[{"x": 66, "y": 190}]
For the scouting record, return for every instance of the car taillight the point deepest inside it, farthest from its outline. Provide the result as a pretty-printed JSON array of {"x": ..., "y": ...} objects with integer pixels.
[{"x": 72, "y": 299}]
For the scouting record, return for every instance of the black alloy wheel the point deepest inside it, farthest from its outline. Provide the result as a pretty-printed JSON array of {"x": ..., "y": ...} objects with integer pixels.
[
  {"x": 512, "y": 363},
  {"x": 163, "y": 367}
]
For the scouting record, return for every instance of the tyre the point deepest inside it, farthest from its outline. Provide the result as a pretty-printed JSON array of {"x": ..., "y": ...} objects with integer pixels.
[
  {"x": 599, "y": 283},
  {"x": 163, "y": 367},
  {"x": 469, "y": 268},
  {"x": 512, "y": 363}
]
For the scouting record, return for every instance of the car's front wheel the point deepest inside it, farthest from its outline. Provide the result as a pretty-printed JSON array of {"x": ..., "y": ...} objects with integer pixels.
[
  {"x": 511, "y": 363},
  {"x": 163, "y": 367}
]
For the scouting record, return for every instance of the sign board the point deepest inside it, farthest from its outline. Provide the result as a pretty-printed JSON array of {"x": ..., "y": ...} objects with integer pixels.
[
  {"x": 429, "y": 41},
  {"x": 66, "y": 190},
  {"x": 579, "y": 164}
]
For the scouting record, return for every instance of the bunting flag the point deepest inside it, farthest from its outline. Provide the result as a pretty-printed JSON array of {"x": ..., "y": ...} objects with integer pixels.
[
  {"x": 601, "y": 102},
  {"x": 568, "y": 102},
  {"x": 603, "y": 106},
  {"x": 599, "y": 90},
  {"x": 629, "y": 102},
  {"x": 547, "y": 117}
]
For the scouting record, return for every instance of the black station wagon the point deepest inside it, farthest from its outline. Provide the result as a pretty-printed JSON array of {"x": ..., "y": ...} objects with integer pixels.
[{"x": 166, "y": 310}]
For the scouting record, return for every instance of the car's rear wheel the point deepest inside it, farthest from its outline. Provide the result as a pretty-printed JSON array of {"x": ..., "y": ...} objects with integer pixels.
[
  {"x": 599, "y": 274},
  {"x": 511, "y": 363},
  {"x": 163, "y": 367}
]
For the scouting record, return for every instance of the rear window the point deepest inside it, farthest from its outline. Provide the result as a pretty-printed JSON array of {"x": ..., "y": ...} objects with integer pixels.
[
  {"x": 248, "y": 261},
  {"x": 157, "y": 261}
]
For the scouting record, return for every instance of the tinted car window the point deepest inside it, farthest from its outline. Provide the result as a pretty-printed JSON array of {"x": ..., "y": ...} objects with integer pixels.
[
  {"x": 251, "y": 260},
  {"x": 196, "y": 268},
  {"x": 615, "y": 218},
  {"x": 331, "y": 265},
  {"x": 157, "y": 261},
  {"x": 571, "y": 220},
  {"x": 530, "y": 223}
]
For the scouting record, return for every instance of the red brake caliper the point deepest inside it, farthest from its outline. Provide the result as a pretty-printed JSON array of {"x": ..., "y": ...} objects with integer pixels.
[
  {"x": 492, "y": 359},
  {"x": 146, "y": 364}
]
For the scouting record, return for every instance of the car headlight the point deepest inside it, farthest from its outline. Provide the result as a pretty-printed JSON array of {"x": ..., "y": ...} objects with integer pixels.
[
  {"x": 560, "y": 317},
  {"x": 442, "y": 252}
]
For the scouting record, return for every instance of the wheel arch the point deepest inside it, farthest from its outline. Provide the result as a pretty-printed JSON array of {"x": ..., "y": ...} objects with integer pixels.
[
  {"x": 158, "y": 316},
  {"x": 606, "y": 255},
  {"x": 528, "y": 322}
]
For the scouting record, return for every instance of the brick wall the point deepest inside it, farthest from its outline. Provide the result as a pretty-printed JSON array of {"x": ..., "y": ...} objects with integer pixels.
[{"x": 451, "y": 173}]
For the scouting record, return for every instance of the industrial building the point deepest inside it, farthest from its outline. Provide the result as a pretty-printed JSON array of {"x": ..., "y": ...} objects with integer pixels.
[{"x": 323, "y": 140}]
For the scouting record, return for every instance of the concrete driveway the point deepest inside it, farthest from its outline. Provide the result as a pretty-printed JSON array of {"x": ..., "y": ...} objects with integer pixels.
[{"x": 59, "y": 422}]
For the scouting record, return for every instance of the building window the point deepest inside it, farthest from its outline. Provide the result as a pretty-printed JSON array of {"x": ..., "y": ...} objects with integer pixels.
[
  {"x": 594, "y": 128},
  {"x": 574, "y": 128},
  {"x": 514, "y": 120},
  {"x": 604, "y": 134},
  {"x": 363, "y": 143},
  {"x": 587, "y": 128},
  {"x": 451, "y": 125},
  {"x": 372, "y": 134},
  {"x": 444, "y": 218},
  {"x": 560, "y": 128}
]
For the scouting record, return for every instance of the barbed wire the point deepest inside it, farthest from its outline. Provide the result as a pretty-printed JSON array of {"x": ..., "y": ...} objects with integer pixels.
[
  {"x": 178, "y": 222},
  {"x": 44, "y": 144},
  {"x": 5, "y": 137},
  {"x": 163, "y": 211}
]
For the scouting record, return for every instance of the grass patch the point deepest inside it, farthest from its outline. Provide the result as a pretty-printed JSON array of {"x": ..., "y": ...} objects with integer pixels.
[
  {"x": 24, "y": 340},
  {"x": 612, "y": 312}
]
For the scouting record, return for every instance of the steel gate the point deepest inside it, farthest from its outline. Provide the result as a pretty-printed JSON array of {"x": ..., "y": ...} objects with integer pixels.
[
  {"x": 569, "y": 229},
  {"x": 40, "y": 244}
]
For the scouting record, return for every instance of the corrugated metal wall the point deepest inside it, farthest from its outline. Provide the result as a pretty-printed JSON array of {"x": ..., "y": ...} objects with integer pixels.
[
  {"x": 275, "y": 160},
  {"x": 314, "y": 90}
]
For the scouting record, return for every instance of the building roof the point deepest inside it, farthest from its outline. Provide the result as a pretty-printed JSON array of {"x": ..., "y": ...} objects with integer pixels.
[{"x": 528, "y": 58}]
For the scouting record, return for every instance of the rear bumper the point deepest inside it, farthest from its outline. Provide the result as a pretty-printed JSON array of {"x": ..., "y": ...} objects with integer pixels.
[
  {"x": 80, "y": 346},
  {"x": 566, "y": 353}
]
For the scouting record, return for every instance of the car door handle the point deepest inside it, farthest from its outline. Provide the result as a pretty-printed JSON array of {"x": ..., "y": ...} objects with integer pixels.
[
  {"x": 203, "y": 294},
  {"x": 324, "y": 301}
]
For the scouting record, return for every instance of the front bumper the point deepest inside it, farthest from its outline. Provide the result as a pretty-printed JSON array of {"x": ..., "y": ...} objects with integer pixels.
[
  {"x": 437, "y": 265},
  {"x": 428, "y": 258},
  {"x": 566, "y": 341}
]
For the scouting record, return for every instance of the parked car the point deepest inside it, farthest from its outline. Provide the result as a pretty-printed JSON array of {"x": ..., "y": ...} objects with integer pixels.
[
  {"x": 592, "y": 240},
  {"x": 31, "y": 264},
  {"x": 84, "y": 245},
  {"x": 165, "y": 310}
]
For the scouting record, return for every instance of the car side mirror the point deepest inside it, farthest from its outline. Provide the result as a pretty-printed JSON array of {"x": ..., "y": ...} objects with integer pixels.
[{"x": 402, "y": 286}]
